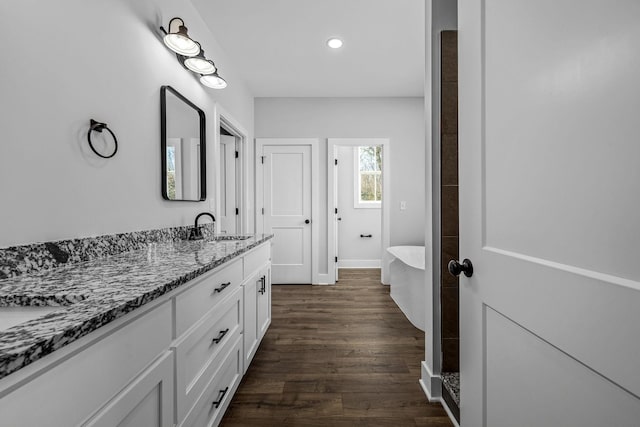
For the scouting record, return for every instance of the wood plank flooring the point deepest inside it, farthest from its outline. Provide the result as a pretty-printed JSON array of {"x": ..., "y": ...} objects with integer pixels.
[{"x": 341, "y": 355}]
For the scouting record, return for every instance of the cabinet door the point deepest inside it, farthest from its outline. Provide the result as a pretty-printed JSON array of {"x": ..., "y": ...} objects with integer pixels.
[
  {"x": 146, "y": 401},
  {"x": 251, "y": 332},
  {"x": 264, "y": 302}
]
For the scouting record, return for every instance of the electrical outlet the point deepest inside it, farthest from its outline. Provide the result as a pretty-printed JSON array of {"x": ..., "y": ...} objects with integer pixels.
[{"x": 403, "y": 205}]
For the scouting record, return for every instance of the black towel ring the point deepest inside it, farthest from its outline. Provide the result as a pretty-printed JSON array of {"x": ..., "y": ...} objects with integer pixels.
[{"x": 97, "y": 126}]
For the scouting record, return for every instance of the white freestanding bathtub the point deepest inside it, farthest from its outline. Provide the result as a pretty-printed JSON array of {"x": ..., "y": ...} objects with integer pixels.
[{"x": 408, "y": 282}]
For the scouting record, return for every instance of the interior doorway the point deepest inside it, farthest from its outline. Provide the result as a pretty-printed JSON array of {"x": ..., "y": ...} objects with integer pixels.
[
  {"x": 358, "y": 206},
  {"x": 449, "y": 227},
  {"x": 349, "y": 223},
  {"x": 229, "y": 171},
  {"x": 232, "y": 205}
]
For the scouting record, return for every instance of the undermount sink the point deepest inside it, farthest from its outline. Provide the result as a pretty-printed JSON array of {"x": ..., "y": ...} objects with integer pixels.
[
  {"x": 230, "y": 237},
  {"x": 12, "y": 316}
]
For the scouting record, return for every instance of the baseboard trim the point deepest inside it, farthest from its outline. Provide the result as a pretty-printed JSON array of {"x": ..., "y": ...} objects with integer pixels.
[
  {"x": 426, "y": 391},
  {"x": 448, "y": 411},
  {"x": 359, "y": 263},
  {"x": 431, "y": 384},
  {"x": 323, "y": 279}
]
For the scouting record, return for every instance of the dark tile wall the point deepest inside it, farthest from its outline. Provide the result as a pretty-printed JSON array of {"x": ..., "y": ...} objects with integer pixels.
[{"x": 449, "y": 298}]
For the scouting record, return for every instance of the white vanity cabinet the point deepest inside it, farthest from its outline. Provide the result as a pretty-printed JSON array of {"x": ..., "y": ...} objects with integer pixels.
[
  {"x": 176, "y": 361},
  {"x": 72, "y": 385},
  {"x": 211, "y": 337}
]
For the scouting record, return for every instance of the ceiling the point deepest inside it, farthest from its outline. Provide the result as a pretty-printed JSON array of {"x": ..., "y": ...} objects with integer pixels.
[{"x": 280, "y": 45}]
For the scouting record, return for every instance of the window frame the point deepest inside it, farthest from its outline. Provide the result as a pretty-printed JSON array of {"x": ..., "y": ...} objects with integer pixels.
[{"x": 357, "y": 175}]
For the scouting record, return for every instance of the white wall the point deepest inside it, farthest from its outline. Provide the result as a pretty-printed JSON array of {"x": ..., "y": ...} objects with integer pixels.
[
  {"x": 72, "y": 60},
  {"x": 399, "y": 119},
  {"x": 355, "y": 221},
  {"x": 439, "y": 15}
]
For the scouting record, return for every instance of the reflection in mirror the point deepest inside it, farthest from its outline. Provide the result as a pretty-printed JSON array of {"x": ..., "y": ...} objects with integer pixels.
[
  {"x": 229, "y": 171},
  {"x": 182, "y": 147}
]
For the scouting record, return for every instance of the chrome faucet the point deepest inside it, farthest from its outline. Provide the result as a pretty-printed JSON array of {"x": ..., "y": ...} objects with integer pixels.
[{"x": 196, "y": 232}]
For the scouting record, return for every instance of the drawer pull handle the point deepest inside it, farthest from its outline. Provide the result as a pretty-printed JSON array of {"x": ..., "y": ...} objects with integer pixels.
[
  {"x": 222, "y": 334},
  {"x": 222, "y": 287},
  {"x": 217, "y": 403},
  {"x": 263, "y": 279}
]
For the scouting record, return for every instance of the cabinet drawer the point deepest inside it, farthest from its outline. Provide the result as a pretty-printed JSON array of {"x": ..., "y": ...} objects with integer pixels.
[
  {"x": 256, "y": 259},
  {"x": 195, "y": 302},
  {"x": 200, "y": 351},
  {"x": 212, "y": 404}
]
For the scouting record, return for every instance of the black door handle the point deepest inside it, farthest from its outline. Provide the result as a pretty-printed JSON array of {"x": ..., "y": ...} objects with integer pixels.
[
  {"x": 306, "y": 221},
  {"x": 455, "y": 268}
]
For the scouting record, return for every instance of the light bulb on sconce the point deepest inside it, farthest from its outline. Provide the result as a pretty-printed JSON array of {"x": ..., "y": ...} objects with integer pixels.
[
  {"x": 213, "y": 81},
  {"x": 177, "y": 39},
  {"x": 199, "y": 64}
]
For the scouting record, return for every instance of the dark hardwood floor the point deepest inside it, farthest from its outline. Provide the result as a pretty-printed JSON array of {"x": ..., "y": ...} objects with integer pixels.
[{"x": 341, "y": 355}]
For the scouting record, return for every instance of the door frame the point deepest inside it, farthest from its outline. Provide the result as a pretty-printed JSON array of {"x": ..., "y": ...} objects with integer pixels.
[
  {"x": 231, "y": 145},
  {"x": 315, "y": 192},
  {"x": 222, "y": 118},
  {"x": 332, "y": 144},
  {"x": 439, "y": 17}
]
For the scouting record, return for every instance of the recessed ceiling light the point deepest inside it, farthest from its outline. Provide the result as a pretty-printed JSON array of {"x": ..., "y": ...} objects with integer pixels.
[{"x": 334, "y": 43}]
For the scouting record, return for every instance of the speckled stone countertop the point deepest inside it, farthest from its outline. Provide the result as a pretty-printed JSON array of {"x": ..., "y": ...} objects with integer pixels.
[{"x": 92, "y": 293}]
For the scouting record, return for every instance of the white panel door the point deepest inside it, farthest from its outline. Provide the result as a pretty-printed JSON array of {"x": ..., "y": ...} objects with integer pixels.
[
  {"x": 549, "y": 98},
  {"x": 287, "y": 215},
  {"x": 228, "y": 205},
  {"x": 337, "y": 218}
]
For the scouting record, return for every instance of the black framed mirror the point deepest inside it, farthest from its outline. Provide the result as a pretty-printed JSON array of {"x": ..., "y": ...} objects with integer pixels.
[{"x": 183, "y": 148}]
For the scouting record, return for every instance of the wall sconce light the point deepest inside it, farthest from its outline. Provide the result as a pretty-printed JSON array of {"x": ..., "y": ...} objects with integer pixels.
[{"x": 191, "y": 55}]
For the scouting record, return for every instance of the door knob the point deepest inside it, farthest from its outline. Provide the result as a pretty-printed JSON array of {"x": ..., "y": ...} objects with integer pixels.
[
  {"x": 455, "y": 268},
  {"x": 306, "y": 221}
]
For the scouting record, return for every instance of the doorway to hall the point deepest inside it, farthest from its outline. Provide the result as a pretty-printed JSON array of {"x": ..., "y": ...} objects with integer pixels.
[
  {"x": 358, "y": 193},
  {"x": 358, "y": 207},
  {"x": 230, "y": 178}
]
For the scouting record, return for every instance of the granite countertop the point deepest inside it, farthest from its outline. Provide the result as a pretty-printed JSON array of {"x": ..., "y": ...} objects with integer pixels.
[{"x": 93, "y": 293}]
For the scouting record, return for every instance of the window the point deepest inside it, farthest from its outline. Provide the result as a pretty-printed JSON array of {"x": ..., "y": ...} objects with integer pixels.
[
  {"x": 171, "y": 172},
  {"x": 368, "y": 179}
]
